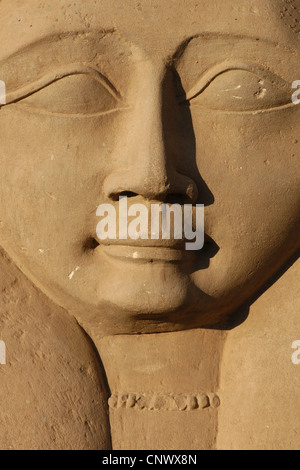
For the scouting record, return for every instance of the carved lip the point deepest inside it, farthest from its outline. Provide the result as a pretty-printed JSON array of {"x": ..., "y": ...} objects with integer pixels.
[
  {"x": 148, "y": 243},
  {"x": 146, "y": 253}
]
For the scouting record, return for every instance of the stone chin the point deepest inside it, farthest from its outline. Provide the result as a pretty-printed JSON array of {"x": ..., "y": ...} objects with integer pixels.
[
  {"x": 152, "y": 298},
  {"x": 150, "y": 306}
]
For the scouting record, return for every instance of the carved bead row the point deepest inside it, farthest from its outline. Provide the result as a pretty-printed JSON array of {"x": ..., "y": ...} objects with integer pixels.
[{"x": 161, "y": 402}]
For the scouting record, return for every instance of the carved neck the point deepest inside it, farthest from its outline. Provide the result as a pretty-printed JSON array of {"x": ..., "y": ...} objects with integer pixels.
[
  {"x": 156, "y": 379},
  {"x": 181, "y": 362}
]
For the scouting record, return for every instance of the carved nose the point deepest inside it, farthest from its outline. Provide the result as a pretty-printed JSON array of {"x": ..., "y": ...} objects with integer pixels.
[
  {"x": 156, "y": 184},
  {"x": 150, "y": 169}
]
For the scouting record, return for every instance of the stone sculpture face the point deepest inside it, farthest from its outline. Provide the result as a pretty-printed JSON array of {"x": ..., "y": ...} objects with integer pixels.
[{"x": 178, "y": 103}]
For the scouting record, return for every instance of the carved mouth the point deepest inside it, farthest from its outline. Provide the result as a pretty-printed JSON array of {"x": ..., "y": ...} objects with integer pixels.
[
  {"x": 146, "y": 253},
  {"x": 150, "y": 251},
  {"x": 149, "y": 243}
]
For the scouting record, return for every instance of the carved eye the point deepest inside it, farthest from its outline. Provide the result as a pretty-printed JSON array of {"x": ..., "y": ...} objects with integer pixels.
[
  {"x": 241, "y": 90},
  {"x": 77, "y": 94}
]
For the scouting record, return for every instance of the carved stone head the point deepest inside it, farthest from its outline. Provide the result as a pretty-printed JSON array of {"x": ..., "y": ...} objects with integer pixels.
[{"x": 183, "y": 102}]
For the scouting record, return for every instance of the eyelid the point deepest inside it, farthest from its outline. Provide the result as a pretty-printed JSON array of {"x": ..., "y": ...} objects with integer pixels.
[
  {"x": 209, "y": 75},
  {"x": 74, "y": 69}
]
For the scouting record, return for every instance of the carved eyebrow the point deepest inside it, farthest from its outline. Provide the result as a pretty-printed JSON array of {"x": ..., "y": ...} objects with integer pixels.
[
  {"x": 227, "y": 38},
  {"x": 55, "y": 40},
  {"x": 209, "y": 75},
  {"x": 66, "y": 71},
  {"x": 207, "y": 50},
  {"x": 52, "y": 56}
]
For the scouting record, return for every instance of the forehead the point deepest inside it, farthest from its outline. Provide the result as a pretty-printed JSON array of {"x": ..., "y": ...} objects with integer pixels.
[{"x": 158, "y": 27}]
